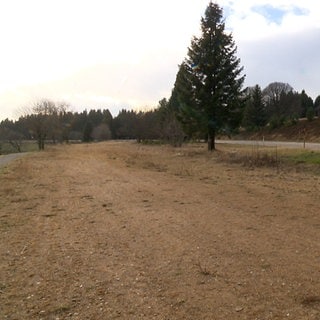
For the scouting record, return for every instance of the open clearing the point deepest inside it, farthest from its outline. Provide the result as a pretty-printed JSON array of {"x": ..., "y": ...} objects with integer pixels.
[{"x": 119, "y": 230}]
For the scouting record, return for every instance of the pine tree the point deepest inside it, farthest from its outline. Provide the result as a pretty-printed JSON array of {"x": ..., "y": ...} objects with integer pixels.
[
  {"x": 181, "y": 101},
  {"x": 317, "y": 105},
  {"x": 306, "y": 104},
  {"x": 208, "y": 84},
  {"x": 171, "y": 130},
  {"x": 87, "y": 132},
  {"x": 254, "y": 116}
]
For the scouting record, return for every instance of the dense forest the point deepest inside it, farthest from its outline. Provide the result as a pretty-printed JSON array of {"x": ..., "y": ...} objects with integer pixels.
[{"x": 207, "y": 99}]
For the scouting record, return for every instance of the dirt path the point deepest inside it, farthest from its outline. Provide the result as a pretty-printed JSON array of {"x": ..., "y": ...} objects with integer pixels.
[
  {"x": 5, "y": 159},
  {"x": 122, "y": 231}
]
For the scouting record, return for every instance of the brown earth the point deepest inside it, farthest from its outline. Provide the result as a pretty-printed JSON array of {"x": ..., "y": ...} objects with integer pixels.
[
  {"x": 302, "y": 130},
  {"x": 119, "y": 230}
]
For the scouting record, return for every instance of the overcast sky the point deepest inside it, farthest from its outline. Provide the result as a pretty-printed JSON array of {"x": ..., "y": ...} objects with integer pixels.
[{"x": 125, "y": 54}]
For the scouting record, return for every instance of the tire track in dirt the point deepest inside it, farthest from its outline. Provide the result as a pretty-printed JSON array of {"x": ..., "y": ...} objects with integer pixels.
[{"x": 109, "y": 231}]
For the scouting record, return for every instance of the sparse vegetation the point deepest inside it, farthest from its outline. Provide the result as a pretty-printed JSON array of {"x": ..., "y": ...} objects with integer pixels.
[
  {"x": 302, "y": 157},
  {"x": 203, "y": 269},
  {"x": 151, "y": 231},
  {"x": 251, "y": 156}
]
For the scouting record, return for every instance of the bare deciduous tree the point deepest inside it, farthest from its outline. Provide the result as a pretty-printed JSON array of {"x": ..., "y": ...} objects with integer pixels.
[
  {"x": 11, "y": 137},
  {"x": 273, "y": 91},
  {"x": 45, "y": 116}
]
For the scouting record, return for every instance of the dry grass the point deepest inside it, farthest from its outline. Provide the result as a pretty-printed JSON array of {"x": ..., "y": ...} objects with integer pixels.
[{"x": 120, "y": 230}]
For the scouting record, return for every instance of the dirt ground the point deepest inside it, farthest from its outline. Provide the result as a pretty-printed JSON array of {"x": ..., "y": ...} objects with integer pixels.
[{"x": 119, "y": 230}]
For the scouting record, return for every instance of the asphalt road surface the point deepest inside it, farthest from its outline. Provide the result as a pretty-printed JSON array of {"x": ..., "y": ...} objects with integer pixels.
[
  {"x": 282, "y": 144},
  {"x": 5, "y": 159}
]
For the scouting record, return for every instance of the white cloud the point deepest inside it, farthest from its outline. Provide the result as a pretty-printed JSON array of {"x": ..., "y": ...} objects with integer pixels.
[
  {"x": 279, "y": 48},
  {"x": 108, "y": 85},
  {"x": 109, "y": 53},
  {"x": 251, "y": 20},
  {"x": 285, "y": 58}
]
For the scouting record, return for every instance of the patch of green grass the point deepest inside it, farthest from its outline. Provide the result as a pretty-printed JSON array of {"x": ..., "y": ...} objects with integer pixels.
[
  {"x": 259, "y": 156},
  {"x": 305, "y": 157}
]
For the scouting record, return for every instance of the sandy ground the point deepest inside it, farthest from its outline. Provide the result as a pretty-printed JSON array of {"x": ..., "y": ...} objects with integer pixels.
[{"x": 119, "y": 230}]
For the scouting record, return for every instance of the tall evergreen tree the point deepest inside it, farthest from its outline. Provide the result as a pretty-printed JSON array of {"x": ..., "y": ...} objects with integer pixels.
[
  {"x": 306, "y": 104},
  {"x": 181, "y": 101},
  {"x": 254, "y": 116},
  {"x": 87, "y": 132},
  {"x": 317, "y": 105},
  {"x": 171, "y": 129},
  {"x": 290, "y": 107},
  {"x": 208, "y": 84}
]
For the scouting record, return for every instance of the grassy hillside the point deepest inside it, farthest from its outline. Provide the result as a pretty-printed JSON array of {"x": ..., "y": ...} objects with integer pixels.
[{"x": 310, "y": 130}]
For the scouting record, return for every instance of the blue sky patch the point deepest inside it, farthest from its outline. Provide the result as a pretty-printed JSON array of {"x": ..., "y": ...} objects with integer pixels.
[
  {"x": 300, "y": 11},
  {"x": 271, "y": 13},
  {"x": 274, "y": 14},
  {"x": 227, "y": 11}
]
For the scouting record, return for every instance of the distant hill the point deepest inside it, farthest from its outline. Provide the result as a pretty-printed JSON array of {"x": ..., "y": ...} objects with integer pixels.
[{"x": 310, "y": 130}]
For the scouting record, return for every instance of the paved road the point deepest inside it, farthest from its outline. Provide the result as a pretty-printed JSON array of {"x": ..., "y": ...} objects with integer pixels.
[
  {"x": 5, "y": 159},
  {"x": 295, "y": 145}
]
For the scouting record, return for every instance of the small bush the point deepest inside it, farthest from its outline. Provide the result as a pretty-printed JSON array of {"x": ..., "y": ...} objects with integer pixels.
[
  {"x": 310, "y": 114},
  {"x": 258, "y": 157}
]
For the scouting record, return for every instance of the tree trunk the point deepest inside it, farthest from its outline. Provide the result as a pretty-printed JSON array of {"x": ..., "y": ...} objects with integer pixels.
[
  {"x": 211, "y": 141},
  {"x": 41, "y": 140}
]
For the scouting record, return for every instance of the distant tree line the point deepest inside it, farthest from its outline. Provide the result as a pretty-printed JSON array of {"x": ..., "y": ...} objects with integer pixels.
[
  {"x": 207, "y": 99},
  {"x": 275, "y": 106},
  {"x": 49, "y": 121}
]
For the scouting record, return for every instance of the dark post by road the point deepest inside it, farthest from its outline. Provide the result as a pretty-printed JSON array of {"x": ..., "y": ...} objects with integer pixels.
[{"x": 304, "y": 137}]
